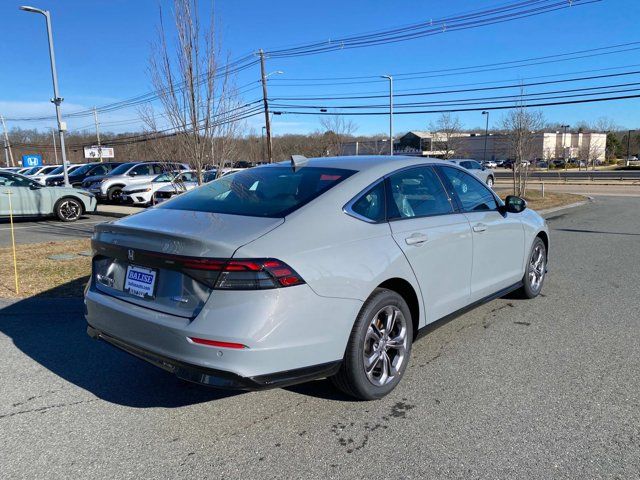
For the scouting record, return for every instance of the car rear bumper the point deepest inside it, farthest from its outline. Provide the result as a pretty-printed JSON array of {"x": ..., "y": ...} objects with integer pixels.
[
  {"x": 283, "y": 330},
  {"x": 220, "y": 378}
]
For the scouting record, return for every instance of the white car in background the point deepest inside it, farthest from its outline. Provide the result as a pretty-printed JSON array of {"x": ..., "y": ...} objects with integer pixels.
[
  {"x": 185, "y": 182},
  {"x": 35, "y": 172},
  {"x": 41, "y": 177},
  {"x": 142, "y": 194}
]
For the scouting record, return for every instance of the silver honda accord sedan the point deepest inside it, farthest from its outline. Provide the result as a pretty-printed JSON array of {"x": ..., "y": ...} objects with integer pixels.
[{"x": 326, "y": 267}]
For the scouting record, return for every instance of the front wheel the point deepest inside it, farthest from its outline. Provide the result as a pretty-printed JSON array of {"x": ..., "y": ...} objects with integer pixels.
[
  {"x": 114, "y": 194},
  {"x": 379, "y": 347},
  {"x": 536, "y": 270},
  {"x": 68, "y": 209}
]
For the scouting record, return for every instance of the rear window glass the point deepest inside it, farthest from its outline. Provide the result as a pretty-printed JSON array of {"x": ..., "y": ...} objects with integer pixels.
[{"x": 260, "y": 192}]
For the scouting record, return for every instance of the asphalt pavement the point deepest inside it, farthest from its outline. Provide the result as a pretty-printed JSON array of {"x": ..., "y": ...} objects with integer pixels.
[
  {"x": 48, "y": 230},
  {"x": 546, "y": 388}
]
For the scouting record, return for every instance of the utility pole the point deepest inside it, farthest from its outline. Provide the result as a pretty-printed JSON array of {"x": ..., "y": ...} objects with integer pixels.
[
  {"x": 267, "y": 121},
  {"x": 264, "y": 155},
  {"x": 390, "y": 78},
  {"x": 629, "y": 146},
  {"x": 564, "y": 149},
  {"x": 57, "y": 99},
  {"x": 55, "y": 148},
  {"x": 8, "y": 154},
  {"x": 486, "y": 134},
  {"x": 95, "y": 118}
]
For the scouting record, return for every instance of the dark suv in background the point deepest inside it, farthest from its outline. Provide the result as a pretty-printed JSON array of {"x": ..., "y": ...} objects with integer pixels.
[{"x": 79, "y": 174}]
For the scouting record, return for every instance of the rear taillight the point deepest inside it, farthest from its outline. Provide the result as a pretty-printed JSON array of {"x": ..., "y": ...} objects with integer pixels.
[{"x": 236, "y": 274}]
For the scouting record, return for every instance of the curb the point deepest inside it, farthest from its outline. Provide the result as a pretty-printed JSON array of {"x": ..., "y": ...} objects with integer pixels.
[
  {"x": 549, "y": 211},
  {"x": 114, "y": 214}
]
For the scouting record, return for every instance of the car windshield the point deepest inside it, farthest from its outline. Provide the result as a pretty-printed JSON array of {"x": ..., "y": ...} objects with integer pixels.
[
  {"x": 83, "y": 169},
  {"x": 57, "y": 170},
  {"x": 31, "y": 171},
  {"x": 165, "y": 177},
  {"x": 261, "y": 192},
  {"x": 120, "y": 169}
]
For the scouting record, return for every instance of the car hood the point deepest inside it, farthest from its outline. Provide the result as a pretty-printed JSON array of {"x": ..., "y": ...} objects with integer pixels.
[
  {"x": 178, "y": 187},
  {"x": 95, "y": 178},
  {"x": 139, "y": 186},
  {"x": 183, "y": 232}
]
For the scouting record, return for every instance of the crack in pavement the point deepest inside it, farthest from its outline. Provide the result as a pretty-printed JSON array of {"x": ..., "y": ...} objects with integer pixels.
[{"x": 46, "y": 408}]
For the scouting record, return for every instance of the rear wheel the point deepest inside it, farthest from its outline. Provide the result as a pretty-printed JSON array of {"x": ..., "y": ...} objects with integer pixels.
[
  {"x": 379, "y": 347},
  {"x": 68, "y": 209},
  {"x": 536, "y": 270}
]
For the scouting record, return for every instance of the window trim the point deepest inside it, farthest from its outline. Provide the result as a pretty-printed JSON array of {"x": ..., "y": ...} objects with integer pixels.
[
  {"x": 449, "y": 185},
  {"x": 348, "y": 207}
]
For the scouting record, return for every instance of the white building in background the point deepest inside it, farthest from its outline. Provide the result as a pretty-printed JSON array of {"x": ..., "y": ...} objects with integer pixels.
[{"x": 544, "y": 146}]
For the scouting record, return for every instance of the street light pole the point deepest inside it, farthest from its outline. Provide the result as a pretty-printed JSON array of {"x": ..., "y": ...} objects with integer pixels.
[
  {"x": 56, "y": 100},
  {"x": 486, "y": 134},
  {"x": 390, "y": 78}
]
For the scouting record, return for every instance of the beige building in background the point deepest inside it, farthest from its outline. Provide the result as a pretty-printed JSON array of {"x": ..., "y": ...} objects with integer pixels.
[{"x": 544, "y": 146}]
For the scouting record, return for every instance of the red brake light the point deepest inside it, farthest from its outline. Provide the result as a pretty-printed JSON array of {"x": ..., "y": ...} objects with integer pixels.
[
  {"x": 216, "y": 343},
  {"x": 234, "y": 274}
]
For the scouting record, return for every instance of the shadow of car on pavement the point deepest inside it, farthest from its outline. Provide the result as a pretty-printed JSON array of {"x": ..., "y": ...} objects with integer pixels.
[{"x": 52, "y": 331}]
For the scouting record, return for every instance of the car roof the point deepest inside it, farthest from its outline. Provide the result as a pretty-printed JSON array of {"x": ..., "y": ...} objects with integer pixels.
[{"x": 363, "y": 163}]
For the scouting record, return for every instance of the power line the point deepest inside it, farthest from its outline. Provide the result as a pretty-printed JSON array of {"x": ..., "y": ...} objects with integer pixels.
[{"x": 475, "y": 109}]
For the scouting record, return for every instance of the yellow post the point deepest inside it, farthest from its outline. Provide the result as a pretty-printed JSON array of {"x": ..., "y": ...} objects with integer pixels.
[{"x": 13, "y": 241}]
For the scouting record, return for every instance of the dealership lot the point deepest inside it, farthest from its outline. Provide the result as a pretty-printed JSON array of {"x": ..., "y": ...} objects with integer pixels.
[
  {"x": 49, "y": 230},
  {"x": 543, "y": 388}
]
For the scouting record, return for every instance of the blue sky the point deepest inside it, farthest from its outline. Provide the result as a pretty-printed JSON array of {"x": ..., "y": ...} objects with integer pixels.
[{"x": 103, "y": 48}]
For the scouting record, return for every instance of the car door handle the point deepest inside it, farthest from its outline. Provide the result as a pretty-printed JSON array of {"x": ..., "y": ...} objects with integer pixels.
[
  {"x": 479, "y": 227},
  {"x": 416, "y": 239}
]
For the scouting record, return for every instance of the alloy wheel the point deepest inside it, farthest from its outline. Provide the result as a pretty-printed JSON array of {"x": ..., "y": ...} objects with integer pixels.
[
  {"x": 69, "y": 210},
  {"x": 385, "y": 345},
  {"x": 537, "y": 267}
]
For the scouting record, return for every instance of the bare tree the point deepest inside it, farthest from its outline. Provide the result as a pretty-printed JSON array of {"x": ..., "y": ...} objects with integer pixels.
[
  {"x": 521, "y": 125},
  {"x": 337, "y": 129},
  {"x": 448, "y": 130},
  {"x": 197, "y": 96}
]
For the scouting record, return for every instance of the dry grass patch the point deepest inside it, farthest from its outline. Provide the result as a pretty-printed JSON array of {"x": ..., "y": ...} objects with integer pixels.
[
  {"x": 39, "y": 275},
  {"x": 535, "y": 200}
]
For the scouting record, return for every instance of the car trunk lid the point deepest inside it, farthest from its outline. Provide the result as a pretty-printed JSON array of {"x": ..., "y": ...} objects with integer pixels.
[{"x": 156, "y": 244}]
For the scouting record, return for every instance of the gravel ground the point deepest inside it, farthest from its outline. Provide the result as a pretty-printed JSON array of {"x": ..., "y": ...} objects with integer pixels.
[{"x": 547, "y": 388}]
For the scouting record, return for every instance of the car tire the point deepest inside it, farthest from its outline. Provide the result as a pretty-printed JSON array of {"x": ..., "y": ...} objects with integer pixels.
[
  {"x": 381, "y": 337},
  {"x": 490, "y": 181},
  {"x": 536, "y": 271},
  {"x": 68, "y": 209},
  {"x": 114, "y": 194}
]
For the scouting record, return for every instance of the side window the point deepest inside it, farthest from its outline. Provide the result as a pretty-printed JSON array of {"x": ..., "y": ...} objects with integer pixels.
[
  {"x": 100, "y": 170},
  {"x": 472, "y": 193},
  {"x": 143, "y": 170},
  {"x": 8, "y": 180},
  {"x": 371, "y": 204},
  {"x": 417, "y": 192},
  {"x": 189, "y": 177},
  {"x": 475, "y": 166},
  {"x": 158, "y": 169}
]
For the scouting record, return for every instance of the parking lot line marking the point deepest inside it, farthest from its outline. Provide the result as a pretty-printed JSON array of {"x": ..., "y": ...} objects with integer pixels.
[{"x": 52, "y": 223}]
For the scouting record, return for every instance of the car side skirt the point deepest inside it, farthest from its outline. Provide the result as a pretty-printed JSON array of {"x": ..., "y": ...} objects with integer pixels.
[
  {"x": 447, "y": 318},
  {"x": 220, "y": 378}
]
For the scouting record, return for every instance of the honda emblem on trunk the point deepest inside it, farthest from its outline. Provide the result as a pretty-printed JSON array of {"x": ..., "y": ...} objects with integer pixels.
[{"x": 131, "y": 255}]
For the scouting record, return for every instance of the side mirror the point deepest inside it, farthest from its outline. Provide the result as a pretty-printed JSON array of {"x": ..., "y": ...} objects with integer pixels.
[
  {"x": 35, "y": 186},
  {"x": 133, "y": 174},
  {"x": 514, "y": 204}
]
